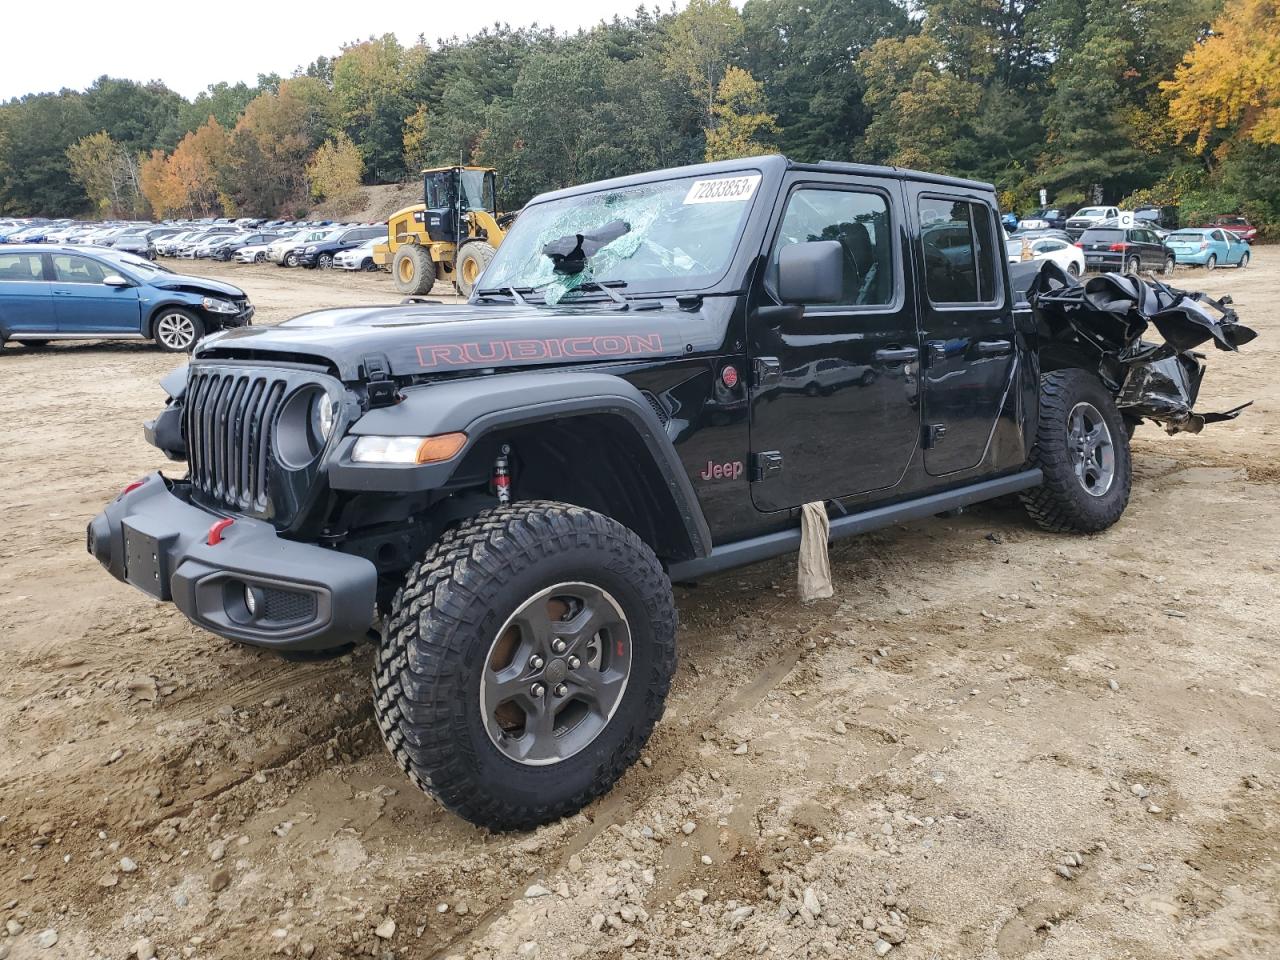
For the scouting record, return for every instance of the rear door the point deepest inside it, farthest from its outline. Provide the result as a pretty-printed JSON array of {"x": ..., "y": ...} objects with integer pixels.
[
  {"x": 83, "y": 303},
  {"x": 26, "y": 302},
  {"x": 969, "y": 358},
  {"x": 835, "y": 394}
]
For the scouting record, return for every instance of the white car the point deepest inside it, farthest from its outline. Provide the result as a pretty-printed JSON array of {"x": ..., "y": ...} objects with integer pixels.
[
  {"x": 1066, "y": 255},
  {"x": 1087, "y": 217},
  {"x": 255, "y": 253},
  {"x": 358, "y": 258},
  {"x": 280, "y": 252}
]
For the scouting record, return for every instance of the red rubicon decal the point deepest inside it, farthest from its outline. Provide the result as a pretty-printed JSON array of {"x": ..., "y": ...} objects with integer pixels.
[{"x": 554, "y": 348}]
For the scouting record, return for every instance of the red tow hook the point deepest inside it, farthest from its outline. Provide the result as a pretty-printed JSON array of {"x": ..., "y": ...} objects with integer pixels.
[{"x": 215, "y": 531}]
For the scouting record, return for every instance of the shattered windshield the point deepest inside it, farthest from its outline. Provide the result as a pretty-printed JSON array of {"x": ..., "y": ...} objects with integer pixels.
[{"x": 667, "y": 235}]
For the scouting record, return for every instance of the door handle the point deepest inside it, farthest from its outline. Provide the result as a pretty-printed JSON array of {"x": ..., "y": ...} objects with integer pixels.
[
  {"x": 994, "y": 348},
  {"x": 897, "y": 354}
]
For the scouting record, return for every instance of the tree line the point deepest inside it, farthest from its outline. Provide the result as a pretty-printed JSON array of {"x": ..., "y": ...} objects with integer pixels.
[{"x": 1151, "y": 101}]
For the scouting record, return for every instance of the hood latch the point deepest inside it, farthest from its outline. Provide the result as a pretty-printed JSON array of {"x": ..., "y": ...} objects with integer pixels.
[{"x": 377, "y": 376}]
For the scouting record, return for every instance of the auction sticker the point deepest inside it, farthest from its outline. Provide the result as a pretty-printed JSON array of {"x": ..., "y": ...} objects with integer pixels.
[{"x": 723, "y": 190}]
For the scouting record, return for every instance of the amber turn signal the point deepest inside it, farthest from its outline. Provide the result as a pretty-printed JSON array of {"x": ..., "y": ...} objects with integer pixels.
[{"x": 442, "y": 447}]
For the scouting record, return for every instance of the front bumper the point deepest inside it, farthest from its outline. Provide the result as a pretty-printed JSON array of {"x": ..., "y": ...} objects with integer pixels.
[{"x": 307, "y": 597}]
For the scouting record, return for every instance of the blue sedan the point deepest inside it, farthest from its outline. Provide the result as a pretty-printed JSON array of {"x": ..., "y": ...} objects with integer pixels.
[
  {"x": 86, "y": 293},
  {"x": 1208, "y": 247}
]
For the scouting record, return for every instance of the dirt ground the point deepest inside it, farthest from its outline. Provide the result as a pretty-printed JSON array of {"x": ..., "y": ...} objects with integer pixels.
[{"x": 991, "y": 743}]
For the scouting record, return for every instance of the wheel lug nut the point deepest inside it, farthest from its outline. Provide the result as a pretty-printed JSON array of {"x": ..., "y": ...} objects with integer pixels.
[
  {"x": 558, "y": 645},
  {"x": 537, "y": 690},
  {"x": 535, "y": 662},
  {"x": 561, "y": 690},
  {"x": 574, "y": 663}
]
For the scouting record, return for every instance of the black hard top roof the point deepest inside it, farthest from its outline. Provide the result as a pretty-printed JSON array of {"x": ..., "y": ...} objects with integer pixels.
[{"x": 771, "y": 164}]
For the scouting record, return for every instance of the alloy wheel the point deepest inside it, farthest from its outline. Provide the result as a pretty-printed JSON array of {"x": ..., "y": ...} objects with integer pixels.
[
  {"x": 555, "y": 673},
  {"x": 1092, "y": 450},
  {"x": 176, "y": 331}
]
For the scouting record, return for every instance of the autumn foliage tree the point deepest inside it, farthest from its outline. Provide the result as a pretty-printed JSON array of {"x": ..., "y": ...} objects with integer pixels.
[
  {"x": 109, "y": 173},
  {"x": 742, "y": 123},
  {"x": 335, "y": 171},
  {"x": 1230, "y": 83}
]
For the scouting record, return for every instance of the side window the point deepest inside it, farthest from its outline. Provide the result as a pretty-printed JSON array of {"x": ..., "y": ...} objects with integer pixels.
[
  {"x": 860, "y": 221},
  {"x": 21, "y": 267},
  {"x": 71, "y": 269},
  {"x": 959, "y": 258}
]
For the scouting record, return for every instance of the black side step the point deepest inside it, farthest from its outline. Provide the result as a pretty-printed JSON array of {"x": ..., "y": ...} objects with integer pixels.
[{"x": 787, "y": 541}]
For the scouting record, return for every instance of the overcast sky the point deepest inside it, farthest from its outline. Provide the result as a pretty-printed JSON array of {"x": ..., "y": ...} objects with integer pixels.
[{"x": 189, "y": 45}]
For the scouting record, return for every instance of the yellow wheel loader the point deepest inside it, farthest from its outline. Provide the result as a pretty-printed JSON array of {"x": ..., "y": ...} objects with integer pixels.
[{"x": 451, "y": 235}]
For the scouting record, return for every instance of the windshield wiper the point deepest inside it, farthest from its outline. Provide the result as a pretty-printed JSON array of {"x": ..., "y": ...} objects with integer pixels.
[
  {"x": 608, "y": 289},
  {"x": 515, "y": 293}
]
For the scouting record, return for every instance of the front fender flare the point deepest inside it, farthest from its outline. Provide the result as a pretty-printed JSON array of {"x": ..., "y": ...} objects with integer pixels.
[{"x": 477, "y": 406}]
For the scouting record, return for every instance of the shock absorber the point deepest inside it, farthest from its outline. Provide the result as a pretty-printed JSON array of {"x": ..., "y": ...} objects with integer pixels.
[{"x": 502, "y": 474}]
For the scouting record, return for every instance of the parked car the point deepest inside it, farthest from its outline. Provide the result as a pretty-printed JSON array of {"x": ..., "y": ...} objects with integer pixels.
[
  {"x": 233, "y": 245},
  {"x": 285, "y": 252},
  {"x": 1046, "y": 218},
  {"x": 1160, "y": 218},
  {"x": 1087, "y": 217},
  {"x": 1058, "y": 249},
  {"x": 1236, "y": 225},
  {"x": 321, "y": 253},
  {"x": 1009, "y": 220},
  {"x": 254, "y": 252},
  {"x": 1131, "y": 250},
  {"x": 53, "y": 292},
  {"x": 1208, "y": 247},
  {"x": 361, "y": 257}
]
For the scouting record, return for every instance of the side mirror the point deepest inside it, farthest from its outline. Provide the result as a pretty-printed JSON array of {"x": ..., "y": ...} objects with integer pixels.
[
  {"x": 115, "y": 280},
  {"x": 811, "y": 272}
]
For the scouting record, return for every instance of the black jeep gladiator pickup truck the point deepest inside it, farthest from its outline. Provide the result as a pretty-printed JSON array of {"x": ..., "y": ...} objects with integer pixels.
[{"x": 652, "y": 378}]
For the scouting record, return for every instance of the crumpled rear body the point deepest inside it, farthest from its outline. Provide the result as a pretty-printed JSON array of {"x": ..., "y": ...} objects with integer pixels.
[{"x": 1105, "y": 318}]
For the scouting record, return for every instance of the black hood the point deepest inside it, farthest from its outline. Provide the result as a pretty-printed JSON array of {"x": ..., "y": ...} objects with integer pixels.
[{"x": 430, "y": 338}]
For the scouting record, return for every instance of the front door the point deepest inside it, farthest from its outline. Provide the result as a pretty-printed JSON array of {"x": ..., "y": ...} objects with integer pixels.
[
  {"x": 26, "y": 305},
  {"x": 82, "y": 303},
  {"x": 969, "y": 358},
  {"x": 835, "y": 394}
]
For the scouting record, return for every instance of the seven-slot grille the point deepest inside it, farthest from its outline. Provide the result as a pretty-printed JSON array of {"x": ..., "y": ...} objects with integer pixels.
[{"x": 227, "y": 422}]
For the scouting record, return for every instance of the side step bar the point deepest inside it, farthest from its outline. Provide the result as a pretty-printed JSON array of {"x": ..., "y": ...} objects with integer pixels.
[{"x": 788, "y": 541}]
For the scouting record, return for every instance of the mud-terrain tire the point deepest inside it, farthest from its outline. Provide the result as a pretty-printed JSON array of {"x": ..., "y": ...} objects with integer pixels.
[
  {"x": 452, "y": 621},
  {"x": 1081, "y": 439},
  {"x": 413, "y": 270}
]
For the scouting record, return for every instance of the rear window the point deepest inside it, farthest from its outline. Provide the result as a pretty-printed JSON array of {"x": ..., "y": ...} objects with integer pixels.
[
  {"x": 1188, "y": 237},
  {"x": 1102, "y": 236}
]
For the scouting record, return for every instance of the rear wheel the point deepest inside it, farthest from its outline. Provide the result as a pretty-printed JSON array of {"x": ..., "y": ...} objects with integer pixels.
[
  {"x": 177, "y": 330},
  {"x": 472, "y": 260},
  {"x": 1212, "y": 262},
  {"x": 525, "y": 662},
  {"x": 1073, "y": 270},
  {"x": 1082, "y": 448},
  {"x": 1133, "y": 266},
  {"x": 413, "y": 269}
]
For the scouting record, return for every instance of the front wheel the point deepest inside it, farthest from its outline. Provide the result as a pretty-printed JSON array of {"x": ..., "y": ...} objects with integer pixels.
[
  {"x": 1169, "y": 264},
  {"x": 324, "y": 261},
  {"x": 178, "y": 331},
  {"x": 472, "y": 259},
  {"x": 525, "y": 662},
  {"x": 1082, "y": 448},
  {"x": 291, "y": 260}
]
